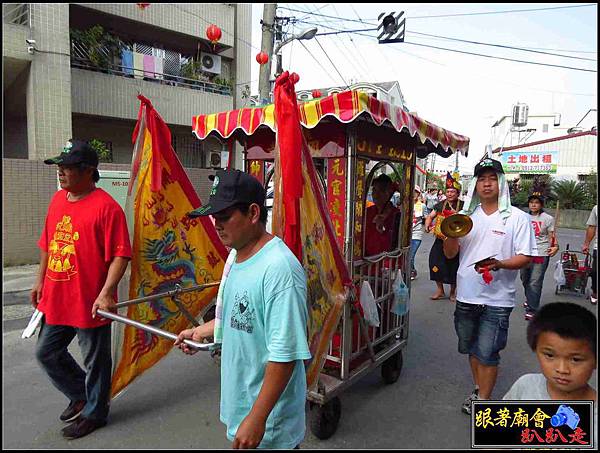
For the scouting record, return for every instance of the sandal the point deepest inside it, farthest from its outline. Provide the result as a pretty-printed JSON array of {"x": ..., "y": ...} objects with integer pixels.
[{"x": 437, "y": 297}]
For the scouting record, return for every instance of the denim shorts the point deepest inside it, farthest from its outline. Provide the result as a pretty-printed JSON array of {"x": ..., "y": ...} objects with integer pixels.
[{"x": 482, "y": 331}]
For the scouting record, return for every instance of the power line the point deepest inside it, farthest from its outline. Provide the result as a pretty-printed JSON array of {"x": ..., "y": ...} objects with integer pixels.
[
  {"x": 318, "y": 62},
  {"x": 450, "y": 15},
  {"x": 493, "y": 78},
  {"x": 502, "y": 12},
  {"x": 500, "y": 45},
  {"x": 332, "y": 64},
  {"x": 223, "y": 30},
  {"x": 477, "y": 54},
  {"x": 351, "y": 59},
  {"x": 502, "y": 58}
]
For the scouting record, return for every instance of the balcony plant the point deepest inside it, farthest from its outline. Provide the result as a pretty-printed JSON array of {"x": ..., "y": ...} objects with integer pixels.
[
  {"x": 104, "y": 154},
  {"x": 101, "y": 46}
]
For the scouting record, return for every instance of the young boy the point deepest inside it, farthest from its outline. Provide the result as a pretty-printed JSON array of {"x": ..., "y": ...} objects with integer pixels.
[{"x": 563, "y": 336}]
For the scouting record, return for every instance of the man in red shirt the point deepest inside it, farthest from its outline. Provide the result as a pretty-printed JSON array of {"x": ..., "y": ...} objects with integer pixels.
[
  {"x": 84, "y": 251},
  {"x": 382, "y": 222}
]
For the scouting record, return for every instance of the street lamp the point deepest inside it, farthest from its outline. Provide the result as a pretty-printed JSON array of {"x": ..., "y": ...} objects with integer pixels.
[{"x": 309, "y": 33}]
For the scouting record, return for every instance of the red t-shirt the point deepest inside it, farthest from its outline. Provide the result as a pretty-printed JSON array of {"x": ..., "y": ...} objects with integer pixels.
[
  {"x": 81, "y": 239},
  {"x": 380, "y": 241}
]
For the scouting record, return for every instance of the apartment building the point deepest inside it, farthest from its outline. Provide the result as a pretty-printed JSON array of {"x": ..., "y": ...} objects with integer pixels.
[{"x": 75, "y": 70}]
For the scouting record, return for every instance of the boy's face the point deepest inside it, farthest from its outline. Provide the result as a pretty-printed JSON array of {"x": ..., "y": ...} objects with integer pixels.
[
  {"x": 567, "y": 363},
  {"x": 487, "y": 185}
]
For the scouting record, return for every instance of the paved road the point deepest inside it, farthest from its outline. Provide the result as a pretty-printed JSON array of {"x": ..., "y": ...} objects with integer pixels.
[{"x": 176, "y": 404}]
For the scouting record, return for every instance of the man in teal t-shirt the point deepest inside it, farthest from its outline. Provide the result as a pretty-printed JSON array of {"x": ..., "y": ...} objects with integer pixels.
[{"x": 264, "y": 322}]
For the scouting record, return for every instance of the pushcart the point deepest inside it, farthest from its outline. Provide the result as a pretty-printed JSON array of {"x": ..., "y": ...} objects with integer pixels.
[
  {"x": 576, "y": 267},
  {"x": 352, "y": 137}
]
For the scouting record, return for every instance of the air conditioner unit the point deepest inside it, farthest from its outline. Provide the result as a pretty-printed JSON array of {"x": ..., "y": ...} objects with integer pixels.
[
  {"x": 210, "y": 63},
  {"x": 214, "y": 159}
]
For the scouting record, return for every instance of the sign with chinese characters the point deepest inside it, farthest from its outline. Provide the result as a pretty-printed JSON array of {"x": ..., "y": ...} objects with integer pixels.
[
  {"x": 530, "y": 162},
  {"x": 359, "y": 205},
  {"x": 336, "y": 196},
  {"x": 257, "y": 169},
  {"x": 379, "y": 150},
  {"x": 522, "y": 424}
]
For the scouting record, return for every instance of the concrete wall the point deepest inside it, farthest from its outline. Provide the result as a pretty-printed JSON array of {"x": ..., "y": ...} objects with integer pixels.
[
  {"x": 107, "y": 95},
  {"x": 28, "y": 187},
  {"x": 49, "y": 88},
  {"x": 569, "y": 218},
  {"x": 13, "y": 41},
  {"x": 191, "y": 19}
]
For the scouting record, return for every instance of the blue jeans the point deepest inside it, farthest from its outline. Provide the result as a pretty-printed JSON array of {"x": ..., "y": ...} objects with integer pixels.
[
  {"x": 414, "y": 246},
  {"x": 482, "y": 331},
  {"x": 66, "y": 375},
  {"x": 532, "y": 277}
]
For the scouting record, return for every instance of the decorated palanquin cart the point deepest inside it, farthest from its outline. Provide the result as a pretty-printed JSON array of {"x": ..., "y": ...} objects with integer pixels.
[{"x": 352, "y": 138}]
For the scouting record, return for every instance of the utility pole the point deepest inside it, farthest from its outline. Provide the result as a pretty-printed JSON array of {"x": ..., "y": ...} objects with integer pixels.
[{"x": 268, "y": 23}]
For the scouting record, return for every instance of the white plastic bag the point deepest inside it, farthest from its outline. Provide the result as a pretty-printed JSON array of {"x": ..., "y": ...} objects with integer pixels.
[
  {"x": 559, "y": 274},
  {"x": 367, "y": 302},
  {"x": 400, "y": 306},
  {"x": 34, "y": 322}
]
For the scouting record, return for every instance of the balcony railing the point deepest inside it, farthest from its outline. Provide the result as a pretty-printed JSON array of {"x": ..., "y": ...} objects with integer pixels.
[
  {"x": 106, "y": 61},
  {"x": 16, "y": 13}
]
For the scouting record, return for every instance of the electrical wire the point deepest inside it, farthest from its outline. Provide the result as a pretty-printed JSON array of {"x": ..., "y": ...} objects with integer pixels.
[
  {"x": 344, "y": 53},
  {"x": 500, "y": 45},
  {"x": 455, "y": 15},
  {"x": 332, "y": 64},
  {"x": 223, "y": 30},
  {"x": 318, "y": 62},
  {"x": 500, "y": 12},
  {"x": 476, "y": 54},
  {"x": 501, "y": 58}
]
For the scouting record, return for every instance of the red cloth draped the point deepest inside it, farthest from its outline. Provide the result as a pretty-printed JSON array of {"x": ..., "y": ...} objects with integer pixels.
[{"x": 289, "y": 139}]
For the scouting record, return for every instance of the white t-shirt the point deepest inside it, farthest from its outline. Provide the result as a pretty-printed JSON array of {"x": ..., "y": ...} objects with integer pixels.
[
  {"x": 593, "y": 221},
  {"x": 491, "y": 236},
  {"x": 542, "y": 224},
  {"x": 418, "y": 219}
]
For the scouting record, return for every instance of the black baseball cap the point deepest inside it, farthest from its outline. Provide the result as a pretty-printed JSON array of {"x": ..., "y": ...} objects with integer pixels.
[
  {"x": 75, "y": 152},
  {"x": 486, "y": 164},
  {"x": 231, "y": 187}
]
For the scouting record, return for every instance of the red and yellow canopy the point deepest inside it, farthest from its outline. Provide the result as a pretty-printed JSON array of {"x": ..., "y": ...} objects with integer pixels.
[{"x": 345, "y": 107}]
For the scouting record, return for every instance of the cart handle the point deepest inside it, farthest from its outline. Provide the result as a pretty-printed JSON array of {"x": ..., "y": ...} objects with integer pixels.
[{"x": 159, "y": 332}]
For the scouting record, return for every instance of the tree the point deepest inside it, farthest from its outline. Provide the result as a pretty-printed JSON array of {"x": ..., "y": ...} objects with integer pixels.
[
  {"x": 521, "y": 192},
  {"x": 590, "y": 187},
  {"x": 570, "y": 194}
]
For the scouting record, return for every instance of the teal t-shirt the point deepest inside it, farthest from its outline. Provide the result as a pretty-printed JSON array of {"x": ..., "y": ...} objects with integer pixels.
[{"x": 265, "y": 319}]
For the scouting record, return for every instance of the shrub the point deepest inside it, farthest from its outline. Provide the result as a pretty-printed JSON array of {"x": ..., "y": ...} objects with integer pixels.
[{"x": 570, "y": 193}]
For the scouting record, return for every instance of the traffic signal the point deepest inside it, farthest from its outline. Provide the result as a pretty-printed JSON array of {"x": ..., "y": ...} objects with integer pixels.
[{"x": 392, "y": 27}]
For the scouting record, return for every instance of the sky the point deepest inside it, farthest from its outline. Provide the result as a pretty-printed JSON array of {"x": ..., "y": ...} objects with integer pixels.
[{"x": 463, "y": 93}]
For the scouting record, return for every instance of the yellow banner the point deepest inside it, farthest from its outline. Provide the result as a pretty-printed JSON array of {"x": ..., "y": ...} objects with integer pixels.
[{"x": 168, "y": 249}]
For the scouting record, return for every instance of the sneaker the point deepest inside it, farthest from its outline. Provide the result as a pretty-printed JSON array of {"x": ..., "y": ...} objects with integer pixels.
[
  {"x": 413, "y": 275},
  {"x": 82, "y": 427},
  {"x": 529, "y": 315},
  {"x": 593, "y": 299},
  {"x": 526, "y": 305},
  {"x": 466, "y": 407},
  {"x": 72, "y": 411}
]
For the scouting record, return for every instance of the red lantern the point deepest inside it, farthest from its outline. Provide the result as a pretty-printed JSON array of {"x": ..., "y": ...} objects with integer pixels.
[
  {"x": 262, "y": 58},
  {"x": 316, "y": 94},
  {"x": 213, "y": 33},
  {"x": 143, "y": 5}
]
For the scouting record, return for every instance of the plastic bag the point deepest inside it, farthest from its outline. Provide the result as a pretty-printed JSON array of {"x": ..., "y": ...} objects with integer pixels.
[
  {"x": 559, "y": 274},
  {"x": 367, "y": 302},
  {"x": 401, "y": 296}
]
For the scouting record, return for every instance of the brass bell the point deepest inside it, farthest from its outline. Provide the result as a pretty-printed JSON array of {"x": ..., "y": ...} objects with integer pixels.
[{"x": 456, "y": 225}]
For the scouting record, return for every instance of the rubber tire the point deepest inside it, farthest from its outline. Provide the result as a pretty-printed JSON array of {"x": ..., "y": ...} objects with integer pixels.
[
  {"x": 391, "y": 368},
  {"x": 324, "y": 419}
]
